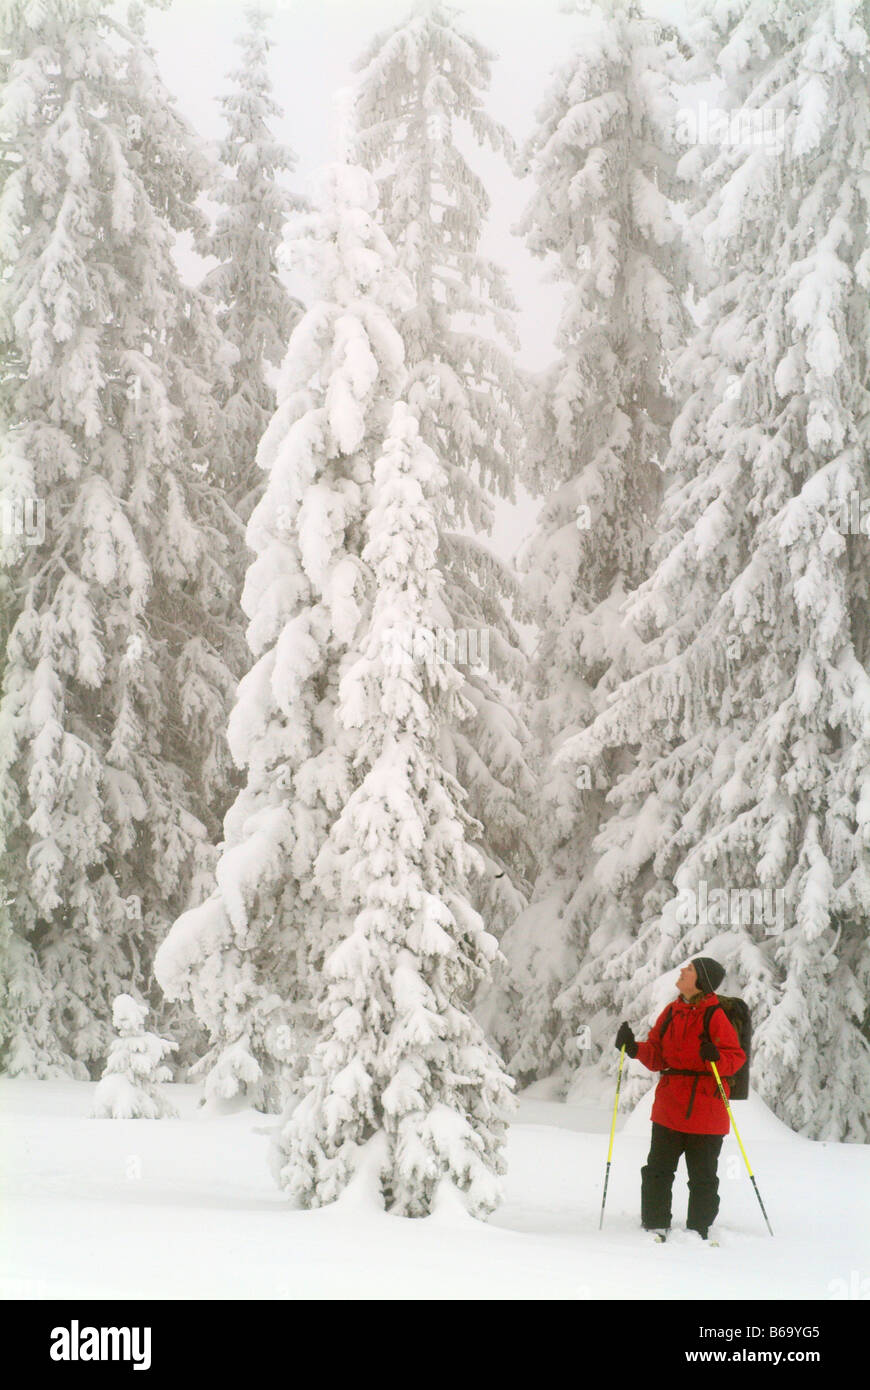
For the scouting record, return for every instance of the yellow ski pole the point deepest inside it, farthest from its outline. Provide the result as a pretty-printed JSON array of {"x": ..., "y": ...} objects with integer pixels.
[
  {"x": 740, "y": 1142},
  {"x": 612, "y": 1132}
]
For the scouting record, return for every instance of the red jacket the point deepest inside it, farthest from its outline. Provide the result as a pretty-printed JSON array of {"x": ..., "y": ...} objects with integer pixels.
[{"x": 691, "y": 1104}]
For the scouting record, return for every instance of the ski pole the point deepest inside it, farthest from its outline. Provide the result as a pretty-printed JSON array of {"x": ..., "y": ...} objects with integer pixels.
[
  {"x": 740, "y": 1142},
  {"x": 612, "y": 1132}
]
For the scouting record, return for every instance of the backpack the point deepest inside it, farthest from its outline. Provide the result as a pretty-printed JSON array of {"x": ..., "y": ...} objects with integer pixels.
[{"x": 737, "y": 1013}]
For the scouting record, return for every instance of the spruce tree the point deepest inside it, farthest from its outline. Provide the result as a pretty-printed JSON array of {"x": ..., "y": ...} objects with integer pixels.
[
  {"x": 419, "y": 95},
  {"x": 254, "y": 309},
  {"x": 129, "y": 1088},
  {"x": 602, "y": 157},
  {"x": 750, "y": 699},
  {"x": 248, "y": 956},
  {"x": 402, "y": 1065},
  {"x": 115, "y": 683}
]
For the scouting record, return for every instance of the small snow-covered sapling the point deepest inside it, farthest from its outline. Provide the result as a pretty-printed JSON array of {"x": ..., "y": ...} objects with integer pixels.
[{"x": 130, "y": 1085}]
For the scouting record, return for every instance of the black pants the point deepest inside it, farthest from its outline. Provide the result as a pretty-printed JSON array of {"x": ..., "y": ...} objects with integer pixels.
[{"x": 657, "y": 1177}]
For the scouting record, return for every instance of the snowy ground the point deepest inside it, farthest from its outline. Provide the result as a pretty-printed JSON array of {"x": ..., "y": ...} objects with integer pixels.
[{"x": 187, "y": 1208}]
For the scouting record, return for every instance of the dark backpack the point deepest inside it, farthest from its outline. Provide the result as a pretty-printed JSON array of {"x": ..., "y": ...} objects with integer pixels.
[{"x": 737, "y": 1013}]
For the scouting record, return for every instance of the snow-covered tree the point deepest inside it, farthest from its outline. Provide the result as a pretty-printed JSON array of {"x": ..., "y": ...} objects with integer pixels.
[
  {"x": 255, "y": 310},
  {"x": 602, "y": 156},
  {"x": 115, "y": 681},
  {"x": 129, "y": 1088},
  {"x": 401, "y": 1056},
  {"x": 751, "y": 703},
  {"x": 420, "y": 96},
  {"x": 247, "y": 957}
]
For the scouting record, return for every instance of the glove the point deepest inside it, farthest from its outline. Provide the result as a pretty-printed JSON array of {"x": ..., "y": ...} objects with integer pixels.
[
  {"x": 625, "y": 1038},
  {"x": 709, "y": 1051}
]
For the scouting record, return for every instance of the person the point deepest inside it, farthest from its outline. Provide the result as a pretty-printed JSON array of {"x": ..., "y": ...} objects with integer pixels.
[{"x": 688, "y": 1115}]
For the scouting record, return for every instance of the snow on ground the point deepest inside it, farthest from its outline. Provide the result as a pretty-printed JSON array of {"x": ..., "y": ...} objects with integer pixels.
[{"x": 187, "y": 1208}]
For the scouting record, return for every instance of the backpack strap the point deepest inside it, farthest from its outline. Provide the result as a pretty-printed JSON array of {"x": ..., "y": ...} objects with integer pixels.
[
  {"x": 667, "y": 1022},
  {"x": 708, "y": 1014}
]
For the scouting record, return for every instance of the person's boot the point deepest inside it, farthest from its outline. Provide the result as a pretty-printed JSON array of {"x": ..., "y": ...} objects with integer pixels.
[{"x": 659, "y": 1233}]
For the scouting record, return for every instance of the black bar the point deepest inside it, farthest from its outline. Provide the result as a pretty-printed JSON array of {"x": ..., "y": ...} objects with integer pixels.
[{"x": 261, "y": 1339}]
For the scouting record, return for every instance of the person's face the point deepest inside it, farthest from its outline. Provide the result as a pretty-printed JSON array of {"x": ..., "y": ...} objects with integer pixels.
[{"x": 687, "y": 981}]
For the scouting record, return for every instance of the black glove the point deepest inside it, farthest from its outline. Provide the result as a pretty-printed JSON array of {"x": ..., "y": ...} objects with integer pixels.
[
  {"x": 709, "y": 1051},
  {"x": 625, "y": 1038}
]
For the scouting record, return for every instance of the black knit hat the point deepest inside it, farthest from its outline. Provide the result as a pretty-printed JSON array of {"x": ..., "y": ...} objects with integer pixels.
[{"x": 709, "y": 972}]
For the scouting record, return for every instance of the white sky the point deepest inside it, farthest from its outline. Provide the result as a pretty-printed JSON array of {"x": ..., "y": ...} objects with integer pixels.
[{"x": 316, "y": 42}]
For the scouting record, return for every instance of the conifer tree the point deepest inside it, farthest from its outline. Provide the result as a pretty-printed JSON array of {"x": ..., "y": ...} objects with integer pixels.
[
  {"x": 129, "y": 1088},
  {"x": 115, "y": 683},
  {"x": 401, "y": 1059},
  {"x": 247, "y": 957},
  {"x": 420, "y": 91},
  {"x": 602, "y": 156},
  {"x": 750, "y": 702},
  {"x": 255, "y": 311}
]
